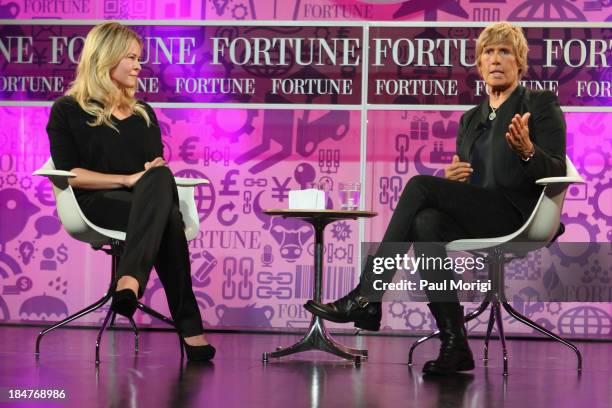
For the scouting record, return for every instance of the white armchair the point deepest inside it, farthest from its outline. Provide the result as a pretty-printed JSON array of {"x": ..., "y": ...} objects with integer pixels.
[
  {"x": 538, "y": 231},
  {"x": 109, "y": 241}
]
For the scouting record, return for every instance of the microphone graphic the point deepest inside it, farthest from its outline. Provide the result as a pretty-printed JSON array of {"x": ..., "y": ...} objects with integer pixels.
[{"x": 267, "y": 258}]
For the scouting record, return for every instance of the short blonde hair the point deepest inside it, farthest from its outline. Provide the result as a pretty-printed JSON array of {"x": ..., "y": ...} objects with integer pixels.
[
  {"x": 105, "y": 46},
  {"x": 504, "y": 33}
]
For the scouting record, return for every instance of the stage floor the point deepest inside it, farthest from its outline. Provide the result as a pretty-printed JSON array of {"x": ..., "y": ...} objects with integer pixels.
[{"x": 542, "y": 373}]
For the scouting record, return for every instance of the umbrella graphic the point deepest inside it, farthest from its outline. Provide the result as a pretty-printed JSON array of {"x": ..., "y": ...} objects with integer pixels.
[{"x": 43, "y": 308}]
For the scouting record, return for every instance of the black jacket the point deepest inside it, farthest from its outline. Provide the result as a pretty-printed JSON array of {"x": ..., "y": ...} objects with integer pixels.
[{"x": 514, "y": 177}]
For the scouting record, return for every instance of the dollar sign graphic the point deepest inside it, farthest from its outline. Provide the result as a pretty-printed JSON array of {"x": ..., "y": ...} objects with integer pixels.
[
  {"x": 24, "y": 284},
  {"x": 62, "y": 253}
]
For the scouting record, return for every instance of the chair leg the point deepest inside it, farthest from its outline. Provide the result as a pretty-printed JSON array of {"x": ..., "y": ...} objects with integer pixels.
[
  {"x": 419, "y": 341},
  {"x": 502, "y": 338},
  {"x": 182, "y": 346},
  {"x": 488, "y": 335},
  {"x": 525, "y": 320},
  {"x": 99, "y": 338},
  {"x": 477, "y": 312},
  {"x": 470, "y": 316},
  {"x": 67, "y": 320},
  {"x": 110, "y": 318},
  {"x": 146, "y": 309}
]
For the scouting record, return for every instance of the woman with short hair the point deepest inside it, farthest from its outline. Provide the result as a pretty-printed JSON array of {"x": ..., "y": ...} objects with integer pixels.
[{"x": 504, "y": 145}]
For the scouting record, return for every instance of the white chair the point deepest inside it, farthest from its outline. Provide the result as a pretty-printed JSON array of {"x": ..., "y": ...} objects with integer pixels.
[
  {"x": 109, "y": 241},
  {"x": 538, "y": 231}
]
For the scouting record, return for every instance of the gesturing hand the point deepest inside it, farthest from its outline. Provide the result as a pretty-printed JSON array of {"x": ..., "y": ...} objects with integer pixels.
[
  {"x": 518, "y": 136},
  {"x": 156, "y": 162},
  {"x": 458, "y": 170}
]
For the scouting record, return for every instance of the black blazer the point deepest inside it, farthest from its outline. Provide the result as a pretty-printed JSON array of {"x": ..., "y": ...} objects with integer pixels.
[{"x": 514, "y": 177}]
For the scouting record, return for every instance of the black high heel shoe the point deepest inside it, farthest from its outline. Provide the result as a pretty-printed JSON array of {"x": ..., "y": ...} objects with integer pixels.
[
  {"x": 199, "y": 353},
  {"x": 124, "y": 303}
]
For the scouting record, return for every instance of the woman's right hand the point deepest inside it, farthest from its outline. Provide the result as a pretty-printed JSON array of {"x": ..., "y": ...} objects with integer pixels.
[
  {"x": 458, "y": 170},
  {"x": 156, "y": 162},
  {"x": 132, "y": 179}
]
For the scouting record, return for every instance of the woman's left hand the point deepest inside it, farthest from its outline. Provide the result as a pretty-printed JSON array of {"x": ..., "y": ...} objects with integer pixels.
[{"x": 518, "y": 136}]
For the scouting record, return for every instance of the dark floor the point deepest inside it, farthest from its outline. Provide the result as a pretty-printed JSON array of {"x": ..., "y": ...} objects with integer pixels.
[{"x": 542, "y": 373}]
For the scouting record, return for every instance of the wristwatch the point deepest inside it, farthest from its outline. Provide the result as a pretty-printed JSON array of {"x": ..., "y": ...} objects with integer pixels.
[{"x": 528, "y": 157}]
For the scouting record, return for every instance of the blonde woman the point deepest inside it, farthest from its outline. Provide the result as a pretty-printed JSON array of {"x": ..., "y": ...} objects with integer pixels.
[
  {"x": 504, "y": 145},
  {"x": 112, "y": 142}
]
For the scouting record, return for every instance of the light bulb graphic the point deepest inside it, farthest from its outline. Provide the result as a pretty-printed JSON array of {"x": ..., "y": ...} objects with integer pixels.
[{"x": 26, "y": 250}]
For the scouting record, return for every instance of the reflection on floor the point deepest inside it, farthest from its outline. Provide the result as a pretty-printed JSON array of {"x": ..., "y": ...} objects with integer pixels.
[{"x": 542, "y": 373}]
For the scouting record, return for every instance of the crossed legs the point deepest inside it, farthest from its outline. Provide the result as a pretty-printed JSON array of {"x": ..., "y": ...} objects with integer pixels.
[
  {"x": 149, "y": 213},
  {"x": 432, "y": 211}
]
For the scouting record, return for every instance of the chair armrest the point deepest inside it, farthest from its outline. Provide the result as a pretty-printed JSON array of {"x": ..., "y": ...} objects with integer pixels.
[
  {"x": 189, "y": 182},
  {"x": 559, "y": 180},
  {"x": 180, "y": 181},
  {"x": 53, "y": 173}
]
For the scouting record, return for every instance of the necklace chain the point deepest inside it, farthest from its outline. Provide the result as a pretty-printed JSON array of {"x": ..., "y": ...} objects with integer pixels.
[{"x": 493, "y": 114}]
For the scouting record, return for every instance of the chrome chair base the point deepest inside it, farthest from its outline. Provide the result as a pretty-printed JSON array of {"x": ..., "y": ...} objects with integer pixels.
[
  {"x": 114, "y": 251},
  {"x": 495, "y": 298},
  {"x": 110, "y": 317}
]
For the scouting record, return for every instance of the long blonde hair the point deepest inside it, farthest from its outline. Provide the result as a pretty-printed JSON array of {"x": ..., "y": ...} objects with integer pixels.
[{"x": 105, "y": 46}]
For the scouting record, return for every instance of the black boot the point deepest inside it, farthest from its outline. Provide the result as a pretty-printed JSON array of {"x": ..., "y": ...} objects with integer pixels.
[
  {"x": 455, "y": 354},
  {"x": 350, "y": 308},
  {"x": 362, "y": 305}
]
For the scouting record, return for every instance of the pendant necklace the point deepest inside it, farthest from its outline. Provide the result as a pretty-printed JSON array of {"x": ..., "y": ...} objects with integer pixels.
[{"x": 493, "y": 115}]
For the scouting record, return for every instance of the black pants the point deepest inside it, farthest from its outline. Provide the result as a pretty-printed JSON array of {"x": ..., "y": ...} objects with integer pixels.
[
  {"x": 149, "y": 213},
  {"x": 436, "y": 210}
]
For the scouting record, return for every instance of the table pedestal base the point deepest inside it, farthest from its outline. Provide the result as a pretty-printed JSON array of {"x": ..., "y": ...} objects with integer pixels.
[{"x": 317, "y": 338}]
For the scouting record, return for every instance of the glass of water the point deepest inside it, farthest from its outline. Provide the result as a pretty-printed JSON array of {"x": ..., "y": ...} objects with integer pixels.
[{"x": 350, "y": 194}]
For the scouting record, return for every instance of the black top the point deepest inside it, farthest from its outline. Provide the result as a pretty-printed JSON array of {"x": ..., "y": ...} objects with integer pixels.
[
  {"x": 514, "y": 177},
  {"x": 481, "y": 157},
  {"x": 481, "y": 160},
  {"x": 74, "y": 143}
]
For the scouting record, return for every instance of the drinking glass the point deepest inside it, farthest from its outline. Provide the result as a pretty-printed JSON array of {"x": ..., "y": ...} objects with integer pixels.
[{"x": 349, "y": 195}]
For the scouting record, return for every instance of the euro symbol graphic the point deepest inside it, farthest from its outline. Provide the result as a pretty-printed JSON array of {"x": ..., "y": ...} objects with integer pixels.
[
  {"x": 43, "y": 193},
  {"x": 186, "y": 150}
]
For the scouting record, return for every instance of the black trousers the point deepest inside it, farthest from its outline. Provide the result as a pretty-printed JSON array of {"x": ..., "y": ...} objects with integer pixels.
[
  {"x": 149, "y": 213},
  {"x": 434, "y": 210}
]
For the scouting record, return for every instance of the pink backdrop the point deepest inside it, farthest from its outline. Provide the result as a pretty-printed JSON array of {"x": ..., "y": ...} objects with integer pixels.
[{"x": 240, "y": 277}]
